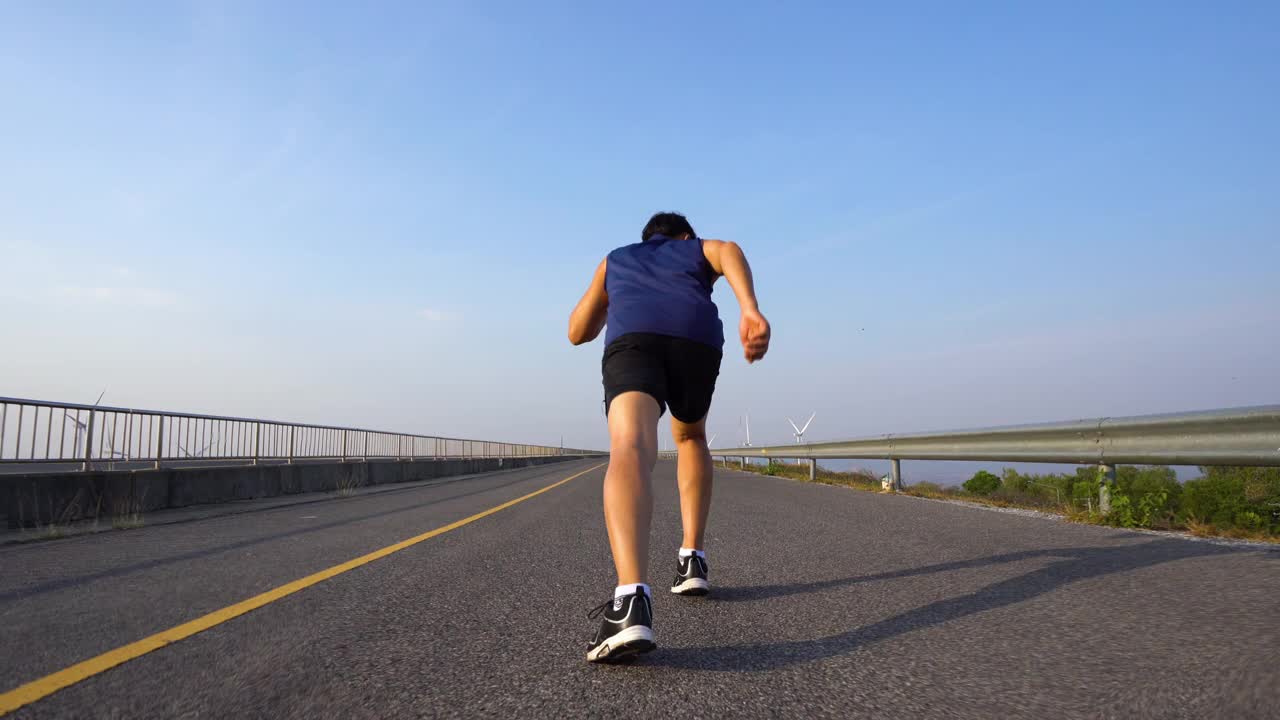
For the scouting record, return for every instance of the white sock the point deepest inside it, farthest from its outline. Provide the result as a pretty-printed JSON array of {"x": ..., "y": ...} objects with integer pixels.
[
  {"x": 632, "y": 589},
  {"x": 686, "y": 552}
]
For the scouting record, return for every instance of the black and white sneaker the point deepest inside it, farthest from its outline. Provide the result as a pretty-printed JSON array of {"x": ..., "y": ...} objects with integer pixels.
[
  {"x": 691, "y": 577},
  {"x": 627, "y": 629}
]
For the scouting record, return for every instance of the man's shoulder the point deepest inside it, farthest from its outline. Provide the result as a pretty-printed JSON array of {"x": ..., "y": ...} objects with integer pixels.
[{"x": 625, "y": 249}]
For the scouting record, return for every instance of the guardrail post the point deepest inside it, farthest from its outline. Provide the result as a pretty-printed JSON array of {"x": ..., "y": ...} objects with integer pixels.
[
  {"x": 88, "y": 442},
  {"x": 895, "y": 470},
  {"x": 257, "y": 442},
  {"x": 813, "y": 470},
  {"x": 744, "y": 462},
  {"x": 160, "y": 444},
  {"x": 291, "y": 435},
  {"x": 1108, "y": 473},
  {"x": 344, "y": 446}
]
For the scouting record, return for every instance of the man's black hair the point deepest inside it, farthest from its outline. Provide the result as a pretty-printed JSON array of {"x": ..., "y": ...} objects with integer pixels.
[{"x": 671, "y": 224}]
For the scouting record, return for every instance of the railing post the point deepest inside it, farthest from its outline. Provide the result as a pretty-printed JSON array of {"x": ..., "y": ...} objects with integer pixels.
[
  {"x": 257, "y": 442},
  {"x": 1108, "y": 479},
  {"x": 88, "y": 442},
  {"x": 813, "y": 470},
  {"x": 291, "y": 435},
  {"x": 160, "y": 444},
  {"x": 895, "y": 471},
  {"x": 344, "y": 446}
]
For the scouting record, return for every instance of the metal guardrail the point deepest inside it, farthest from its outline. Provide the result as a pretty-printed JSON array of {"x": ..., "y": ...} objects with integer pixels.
[
  {"x": 37, "y": 435},
  {"x": 1238, "y": 436}
]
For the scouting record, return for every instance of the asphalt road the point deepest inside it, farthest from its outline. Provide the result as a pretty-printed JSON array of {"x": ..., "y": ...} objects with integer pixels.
[{"x": 827, "y": 602}]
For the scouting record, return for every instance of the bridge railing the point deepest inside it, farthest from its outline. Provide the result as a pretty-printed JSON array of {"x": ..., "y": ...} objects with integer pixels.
[
  {"x": 1236, "y": 436},
  {"x": 36, "y": 434}
]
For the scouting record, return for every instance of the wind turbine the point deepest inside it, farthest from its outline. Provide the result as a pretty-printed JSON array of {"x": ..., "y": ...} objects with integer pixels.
[
  {"x": 198, "y": 453},
  {"x": 800, "y": 430},
  {"x": 747, "y": 420},
  {"x": 82, "y": 427},
  {"x": 113, "y": 456}
]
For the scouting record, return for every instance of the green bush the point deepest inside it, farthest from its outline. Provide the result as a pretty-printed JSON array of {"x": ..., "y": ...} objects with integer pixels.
[
  {"x": 1047, "y": 490},
  {"x": 1083, "y": 492},
  {"x": 1152, "y": 496},
  {"x": 1215, "y": 498},
  {"x": 1142, "y": 496},
  {"x": 1249, "y": 520},
  {"x": 1153, "y": 506},
  {"x": 1155, "y": 488},
  {"x": 1011, "y": 480},
  {"x": 1121, "y": 514},
  {"x": 1227, "y": 498},
  {"x": 982, "y": 483}
]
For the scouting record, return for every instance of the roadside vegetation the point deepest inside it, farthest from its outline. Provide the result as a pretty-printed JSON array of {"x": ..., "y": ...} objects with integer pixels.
[
  {"x": 347, "y": 485},
  {"x": 128, "y": 514},
  {"x": 1234, "y": 502}
]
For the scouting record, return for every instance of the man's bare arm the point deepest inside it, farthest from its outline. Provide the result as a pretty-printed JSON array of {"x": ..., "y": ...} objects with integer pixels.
[
  {"x": 587, "y": 319},
  {"x": 728, "y": 259}
]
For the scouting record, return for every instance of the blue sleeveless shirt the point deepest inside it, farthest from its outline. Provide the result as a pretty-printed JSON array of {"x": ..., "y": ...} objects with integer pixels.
[{"x": 662, "y": 286}]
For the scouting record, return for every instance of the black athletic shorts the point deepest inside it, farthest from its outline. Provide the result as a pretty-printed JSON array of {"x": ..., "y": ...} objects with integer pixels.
[{"x": 678, "y": 373}]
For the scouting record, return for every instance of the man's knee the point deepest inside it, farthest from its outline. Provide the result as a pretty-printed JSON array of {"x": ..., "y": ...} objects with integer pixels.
[
  {"x": 689, "y": 434},
  {"x": 633, "y": 439},
  {"x": 632, "y": 442}
]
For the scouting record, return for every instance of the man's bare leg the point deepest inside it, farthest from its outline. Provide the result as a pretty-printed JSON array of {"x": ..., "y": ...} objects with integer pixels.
[
  {"x": 693, "y": 471},
  {"x": 628, "y": 493}
]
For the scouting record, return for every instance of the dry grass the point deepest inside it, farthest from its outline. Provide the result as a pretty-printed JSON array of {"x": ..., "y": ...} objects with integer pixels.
[
  {"x": 52, "y": 531},
  {"x": 932, "y": 493},
  {"x": 127, "y": 513},
  {"x": 1082, "y": 516},
  {"x": 129, "y": 521},
  {"x": 859, "y": 479},
  {"x": 59, "y": 521},
  {"x": 1201, "y": 529},
  {"x": 348, "y": 484},
  {"x": 1252, "y": 535},
  {"x": 937, "y": 492},
  {"x": 1209, "y": 530}
]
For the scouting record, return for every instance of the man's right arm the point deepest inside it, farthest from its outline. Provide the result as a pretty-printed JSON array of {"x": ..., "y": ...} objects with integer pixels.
[
  {"x": 727, "y": 259},
  {"x": 589, "y": 315}
]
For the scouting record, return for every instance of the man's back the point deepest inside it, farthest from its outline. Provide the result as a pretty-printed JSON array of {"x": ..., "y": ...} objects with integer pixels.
[{"x": 662, "y": 286}]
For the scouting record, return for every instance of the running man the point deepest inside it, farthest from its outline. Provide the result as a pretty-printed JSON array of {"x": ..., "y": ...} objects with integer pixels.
[{"x": 662, "y": 350}]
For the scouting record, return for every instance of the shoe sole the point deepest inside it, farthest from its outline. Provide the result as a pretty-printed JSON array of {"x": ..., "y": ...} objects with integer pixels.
[
  {"x": 623, "y": 646},
  {"x": 692, "y": 586}
]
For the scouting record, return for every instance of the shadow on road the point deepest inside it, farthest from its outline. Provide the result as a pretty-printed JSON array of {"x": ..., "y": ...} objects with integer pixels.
[
  {"x": 76, "y": 580},
  {"x": 1076, "y": 564}
]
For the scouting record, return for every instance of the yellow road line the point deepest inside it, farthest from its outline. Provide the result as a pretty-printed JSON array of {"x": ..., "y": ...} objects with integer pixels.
[{"x": 50, "y": 684}]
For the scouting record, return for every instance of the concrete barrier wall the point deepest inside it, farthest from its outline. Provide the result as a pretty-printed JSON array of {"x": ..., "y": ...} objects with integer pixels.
[{"x": 59, "y": 498}]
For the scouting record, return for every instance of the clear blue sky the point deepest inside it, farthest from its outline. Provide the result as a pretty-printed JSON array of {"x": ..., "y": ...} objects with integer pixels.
[{"x": 959, "y": 214}]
